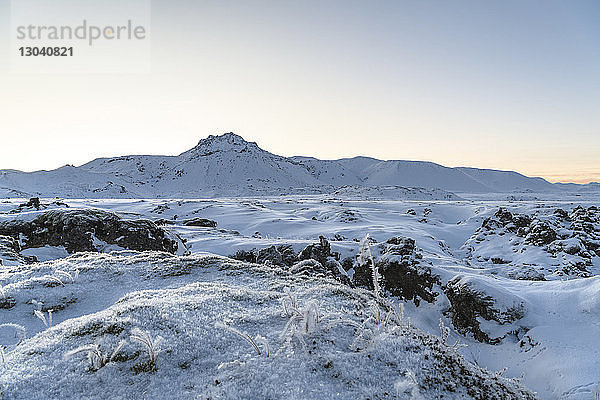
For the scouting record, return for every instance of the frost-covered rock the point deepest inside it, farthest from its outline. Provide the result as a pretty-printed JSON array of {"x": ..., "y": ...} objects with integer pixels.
[
  {"x": 188, "y": 354},
  {"x": 321, "y": 252},
  {"x": 310, "y": 267},
  {"x": 543, "y": 245}
]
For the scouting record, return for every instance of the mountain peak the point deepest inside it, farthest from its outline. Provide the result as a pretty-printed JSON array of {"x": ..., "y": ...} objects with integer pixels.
[
  {"x": 221, "y": 143},
  {"x": 229, "y": 137}
]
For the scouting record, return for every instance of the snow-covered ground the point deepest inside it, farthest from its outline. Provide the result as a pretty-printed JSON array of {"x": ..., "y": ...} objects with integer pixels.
[{"x": 517, "y": 284}]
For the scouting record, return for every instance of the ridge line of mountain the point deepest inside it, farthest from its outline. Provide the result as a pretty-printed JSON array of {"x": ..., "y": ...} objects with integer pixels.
[{"x": 229, "y": 165}]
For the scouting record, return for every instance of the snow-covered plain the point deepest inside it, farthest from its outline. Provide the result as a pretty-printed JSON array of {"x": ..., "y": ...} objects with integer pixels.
[{"x": 528, "y": 271}]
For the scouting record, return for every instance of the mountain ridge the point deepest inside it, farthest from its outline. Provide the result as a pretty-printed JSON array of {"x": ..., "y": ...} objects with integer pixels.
[{"x": 227, "y": 164}]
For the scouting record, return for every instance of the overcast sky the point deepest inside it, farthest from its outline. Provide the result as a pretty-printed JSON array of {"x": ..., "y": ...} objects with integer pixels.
[{"x": 511, "y": 85}]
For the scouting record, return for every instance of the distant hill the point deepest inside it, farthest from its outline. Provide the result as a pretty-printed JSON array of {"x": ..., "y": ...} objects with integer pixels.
[{"x": 228, "y": 165}]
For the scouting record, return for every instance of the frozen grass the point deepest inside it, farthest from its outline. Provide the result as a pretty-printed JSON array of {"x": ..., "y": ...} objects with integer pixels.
[
  {"x": 46, "y": 320},
  {"x": 256, "y": 342},
  {"x": 64, "y": 274},
  {"x": 96, "y": 358},
  {"x": 151, "y": 346}
]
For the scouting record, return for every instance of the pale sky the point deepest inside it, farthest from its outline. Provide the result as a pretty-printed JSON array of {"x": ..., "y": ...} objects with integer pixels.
[{"x": 512, "y": 85}]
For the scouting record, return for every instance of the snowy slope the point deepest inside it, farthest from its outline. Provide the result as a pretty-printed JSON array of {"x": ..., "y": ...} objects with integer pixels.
[
  {"x": 67, "y": 181},
  {"x": 506, "y": 181},
  {"x": 330, "y": 172},
  {"x": 423, "y": 174},
  {"x": 227, "y": 165}
]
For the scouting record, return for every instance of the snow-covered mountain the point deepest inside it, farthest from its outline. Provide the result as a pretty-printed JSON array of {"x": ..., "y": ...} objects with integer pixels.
[{"x": 228, "y": 165}]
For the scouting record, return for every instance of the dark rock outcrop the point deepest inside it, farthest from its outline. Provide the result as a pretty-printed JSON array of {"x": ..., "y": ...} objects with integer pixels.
[
  {"x": 540, "y": 233},
  {"x": 246, "y": 256},
  {"x": 319, "y": 251},
  {"x": 9, "y": 245},
  {"x": 35, "y": 203},
  {"x": 402, "y": 274},
  {"x": 201, "y": 222},
  {"x": 10, "y": 251},
  {"x": 408, "y": 281},
  {"x": 585, "y": 225},
  {"x": 519, "y": 224},
  {"x": 316, "y": 258},
  {"x": 467, "y": 304},
  {"x": 81, "y": 229},
  {"x": 282, "y": 255}
]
